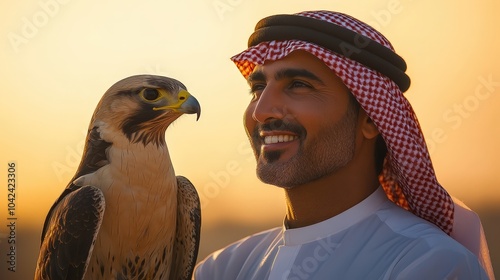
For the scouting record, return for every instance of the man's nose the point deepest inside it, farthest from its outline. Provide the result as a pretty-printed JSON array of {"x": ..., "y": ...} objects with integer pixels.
[{"x": 270, "y": 105}]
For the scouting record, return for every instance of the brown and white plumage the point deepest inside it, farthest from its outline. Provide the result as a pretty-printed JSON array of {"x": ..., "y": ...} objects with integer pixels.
[{"x": 125, "y": 214}]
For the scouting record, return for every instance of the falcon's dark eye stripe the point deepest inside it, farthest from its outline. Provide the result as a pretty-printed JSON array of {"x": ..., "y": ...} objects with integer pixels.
[{"x": 150, "y": 94}]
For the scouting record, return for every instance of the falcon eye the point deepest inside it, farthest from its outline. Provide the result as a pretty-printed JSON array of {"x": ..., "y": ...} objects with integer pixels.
[{"x": 150, "y": 94}]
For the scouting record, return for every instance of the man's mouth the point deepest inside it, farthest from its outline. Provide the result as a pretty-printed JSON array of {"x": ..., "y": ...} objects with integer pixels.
[
  {"x": 277, "y": 136},
  {"x": 273, "y": 139},
  {"x": 276, "y": 144}
]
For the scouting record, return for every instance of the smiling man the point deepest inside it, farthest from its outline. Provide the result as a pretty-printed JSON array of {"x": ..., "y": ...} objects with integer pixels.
[
  {"x": 307, "y": 131},
  {"x": 329, "y": 124}
]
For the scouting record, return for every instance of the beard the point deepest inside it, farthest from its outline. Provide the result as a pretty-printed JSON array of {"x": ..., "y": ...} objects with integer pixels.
[{"x": 333, "y": 149}]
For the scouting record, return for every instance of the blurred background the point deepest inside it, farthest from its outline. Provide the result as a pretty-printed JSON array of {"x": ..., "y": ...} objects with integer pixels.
[{"x": 57, "y": 58}]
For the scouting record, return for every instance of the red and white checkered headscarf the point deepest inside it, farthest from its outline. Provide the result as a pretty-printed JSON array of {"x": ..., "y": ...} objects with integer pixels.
[{"x": 408, "y": 176}]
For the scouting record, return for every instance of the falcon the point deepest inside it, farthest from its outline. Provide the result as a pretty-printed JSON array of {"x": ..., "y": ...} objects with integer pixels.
[{"x": 125, "y": 214}]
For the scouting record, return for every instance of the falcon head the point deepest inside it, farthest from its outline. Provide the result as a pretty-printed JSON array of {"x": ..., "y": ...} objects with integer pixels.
[{"x": 141, "y": 108}]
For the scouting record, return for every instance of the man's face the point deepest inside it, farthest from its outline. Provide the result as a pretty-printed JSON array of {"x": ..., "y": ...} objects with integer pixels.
[{"x": 301, "y": 122}]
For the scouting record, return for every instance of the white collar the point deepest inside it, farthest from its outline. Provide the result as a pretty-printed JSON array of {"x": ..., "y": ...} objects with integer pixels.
[{"x": 336, "y": 223}]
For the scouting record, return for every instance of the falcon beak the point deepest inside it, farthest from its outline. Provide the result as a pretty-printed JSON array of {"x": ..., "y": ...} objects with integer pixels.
[{"x": 186, "y": 103}]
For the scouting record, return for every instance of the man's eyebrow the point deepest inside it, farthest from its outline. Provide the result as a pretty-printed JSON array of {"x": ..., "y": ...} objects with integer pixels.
[
  {"x": 287, "y": 73},
  {"x": 256, "y": 76},
  {"x": 296, "y": 72}
]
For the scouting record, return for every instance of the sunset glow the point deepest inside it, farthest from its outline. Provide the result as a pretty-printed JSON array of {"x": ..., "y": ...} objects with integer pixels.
[{"x": 59, "y": 57}]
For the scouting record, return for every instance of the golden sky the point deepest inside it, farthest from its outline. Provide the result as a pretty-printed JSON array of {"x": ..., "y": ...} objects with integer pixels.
[{"x": 57, "y": 58}]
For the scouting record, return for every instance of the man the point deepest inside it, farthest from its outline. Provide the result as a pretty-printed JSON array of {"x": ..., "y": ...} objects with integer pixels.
[{"x": 329, "y": 124}]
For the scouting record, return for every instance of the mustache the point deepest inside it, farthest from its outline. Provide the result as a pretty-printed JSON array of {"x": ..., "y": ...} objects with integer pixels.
[{"x": 281, "y": 125}]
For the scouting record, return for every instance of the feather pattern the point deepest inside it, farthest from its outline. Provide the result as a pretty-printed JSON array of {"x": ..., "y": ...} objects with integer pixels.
[{"x": 125, "y": 215}]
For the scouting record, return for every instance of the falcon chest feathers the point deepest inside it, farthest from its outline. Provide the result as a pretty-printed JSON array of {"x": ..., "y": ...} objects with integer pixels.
[{"x": 125, "y": 215}]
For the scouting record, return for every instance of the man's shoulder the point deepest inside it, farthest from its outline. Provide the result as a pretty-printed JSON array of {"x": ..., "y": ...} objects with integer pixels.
[
  {"x": 425, "y": 247},
  {"x": 437, "y": 254},
  {"x": 235, "y": 254},
  {"x": 406, "y": 233},
  {"x": 245, "y": 245},
  {"x": 403, "y": 222}
]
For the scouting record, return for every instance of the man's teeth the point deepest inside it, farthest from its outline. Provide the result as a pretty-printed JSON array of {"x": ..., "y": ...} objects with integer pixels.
[{"x": 279, "y": 139}]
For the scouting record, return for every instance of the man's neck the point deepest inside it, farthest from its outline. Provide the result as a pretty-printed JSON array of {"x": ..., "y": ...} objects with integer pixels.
[{"x": 325, "y": 198}]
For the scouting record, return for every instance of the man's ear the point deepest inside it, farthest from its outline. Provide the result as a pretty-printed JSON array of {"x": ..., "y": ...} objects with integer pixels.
[{"x": 368, "y": 127}]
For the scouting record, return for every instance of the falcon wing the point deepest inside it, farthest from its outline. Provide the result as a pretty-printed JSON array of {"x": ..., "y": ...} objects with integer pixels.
[
  {"x": 187, "y": 238},
  {"x": 73, "y": 221},
  {"x": 70, "y": 234}
]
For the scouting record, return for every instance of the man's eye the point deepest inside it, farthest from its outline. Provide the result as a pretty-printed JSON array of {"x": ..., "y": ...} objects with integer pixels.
[
  {"x": 257, "y": 87},
  {"x": 256, "y": 90},
  {"x": 299, "y": 84}
]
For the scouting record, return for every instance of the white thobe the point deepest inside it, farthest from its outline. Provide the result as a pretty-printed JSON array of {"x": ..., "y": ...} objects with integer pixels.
[{"x": 375, "y": 239}]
